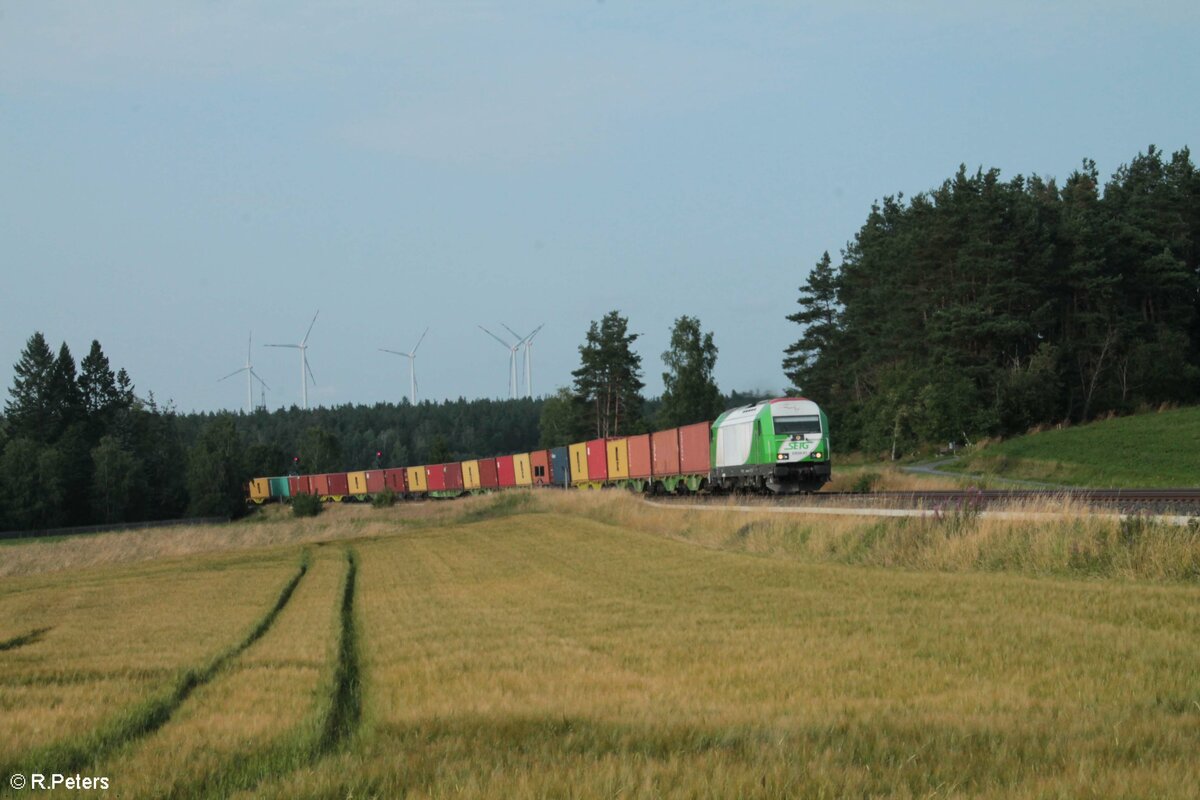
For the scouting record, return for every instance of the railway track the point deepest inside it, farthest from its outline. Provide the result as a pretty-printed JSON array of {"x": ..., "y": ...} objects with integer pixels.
[{"x": 1183, "y": 502}]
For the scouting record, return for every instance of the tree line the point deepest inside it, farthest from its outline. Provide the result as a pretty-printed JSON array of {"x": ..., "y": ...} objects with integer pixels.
[
  {"x": 989, "y": 306},
  {"x": 79, "y": 446}
]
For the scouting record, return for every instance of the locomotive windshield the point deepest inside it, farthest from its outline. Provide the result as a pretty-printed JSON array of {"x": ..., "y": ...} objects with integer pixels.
[{"x": 796, "y": 425}]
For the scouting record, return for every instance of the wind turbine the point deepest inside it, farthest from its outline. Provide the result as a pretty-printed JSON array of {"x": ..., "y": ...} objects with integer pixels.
[
  {"x": 305, "y": 370},
  {"x": 527, "y": 343},
  {"x": 411, "y": 355},
  {"x": 512, "y": 361},
  {"x": 251, "y": 376}
]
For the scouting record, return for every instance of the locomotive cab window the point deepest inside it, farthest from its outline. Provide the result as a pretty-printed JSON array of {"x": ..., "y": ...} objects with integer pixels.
[{"x": 796, "y": 425}]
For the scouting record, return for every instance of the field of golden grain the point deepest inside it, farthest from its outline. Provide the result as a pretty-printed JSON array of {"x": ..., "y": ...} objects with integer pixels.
[{"x": 588, "y": 645}]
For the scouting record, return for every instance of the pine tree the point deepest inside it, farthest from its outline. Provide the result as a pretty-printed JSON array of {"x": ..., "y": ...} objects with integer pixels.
[
  {"x": 28, "y": 410},
  {"x": 63, "y": 399},
  {"x": 810, "y": 362},
  {"x": 125, "y": 395},
  {"x": 97, "y": 384},
  {"x": 609, "y": 377},
  {"x": 689, "y": 392}
]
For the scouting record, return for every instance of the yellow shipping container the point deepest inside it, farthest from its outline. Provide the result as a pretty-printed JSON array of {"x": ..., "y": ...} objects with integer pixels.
[
  {"x": 416, "y": 479},
  {"x": 260, "y": 489},
  {"x": 579, "y": 470},
  {"x": 357, "y": 481},
  {"x": 522, "y": 469},
  {"x": 470, "y": 471},
  {"x": 618, "y": 458}
]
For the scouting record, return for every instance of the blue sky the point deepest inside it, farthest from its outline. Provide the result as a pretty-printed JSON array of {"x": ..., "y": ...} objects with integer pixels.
[{"x": 177, "y": 175}]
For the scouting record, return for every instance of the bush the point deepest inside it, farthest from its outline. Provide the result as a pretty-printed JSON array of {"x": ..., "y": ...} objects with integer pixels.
[
  {"x": 306, "y": 505},
  {"x": 866, "y": 483},
  {"x": 385, "y": 499}
]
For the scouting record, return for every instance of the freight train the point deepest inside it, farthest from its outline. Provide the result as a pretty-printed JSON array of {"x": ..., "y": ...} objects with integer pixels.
[{"x": 778, "y": 446}]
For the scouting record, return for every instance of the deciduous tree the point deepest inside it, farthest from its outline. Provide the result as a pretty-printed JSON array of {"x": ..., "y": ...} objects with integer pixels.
[{"x": 689, "y": 392}]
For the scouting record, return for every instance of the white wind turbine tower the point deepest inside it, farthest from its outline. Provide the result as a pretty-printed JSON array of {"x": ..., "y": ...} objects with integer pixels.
[
  {"x": 305, "y": 370},
  {"x": 411, "y": 355},
  {"x": 251, "y": 376},
  {"x": 527, "y": 343},
  {"x": 512, "y": 361}
]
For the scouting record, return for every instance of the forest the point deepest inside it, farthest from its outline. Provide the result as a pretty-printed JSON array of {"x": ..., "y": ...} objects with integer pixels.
[
  {"x": 989, "y": 307},
  {"x": 80, "y": 446}
]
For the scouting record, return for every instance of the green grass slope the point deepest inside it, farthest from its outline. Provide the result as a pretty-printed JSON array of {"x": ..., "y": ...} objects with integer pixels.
[{"x": 1147, "y": 450}]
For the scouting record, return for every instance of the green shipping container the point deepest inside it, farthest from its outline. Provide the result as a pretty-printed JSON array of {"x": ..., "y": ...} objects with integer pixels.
[{"x": 279, "y": 487}]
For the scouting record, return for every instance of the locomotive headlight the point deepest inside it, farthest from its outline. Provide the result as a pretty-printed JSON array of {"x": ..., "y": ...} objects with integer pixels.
[{"x": 817, "y": 454}]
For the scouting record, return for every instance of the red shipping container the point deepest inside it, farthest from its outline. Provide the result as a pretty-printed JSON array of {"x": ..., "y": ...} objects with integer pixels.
[
  {"x": 435, "y": 477},
  {"x": 444, "y": 477},
  {"x": 639, "y": 456},
  {"x": 506, "y": 473},
  {"x": 375, "y": 480},
  {"x": 664, "y": 452},
  {"x": 299, "y": 484},
  {"x": 694, "y": 448},
  {"x": 330, "y": 483},
  {"x": 339, "y": 483},
  {"x": 539, "y": 464},
  {"x": 487, "y": 474},
  {"x": 394, "y": 480},
  {"x": 597, "y": 456},
  {"x": 453, "y": 475}
]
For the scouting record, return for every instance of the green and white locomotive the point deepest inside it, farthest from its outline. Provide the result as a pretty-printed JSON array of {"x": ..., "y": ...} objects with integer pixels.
[{"x": 779, "y": 446}]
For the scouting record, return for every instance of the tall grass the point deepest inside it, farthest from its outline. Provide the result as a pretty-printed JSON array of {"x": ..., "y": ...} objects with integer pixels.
[
  {"x": 1045, "y": 537},
  {"x": 93, "y": 687},
  {"x": 267, "y": 716},
  {"x": 549, "y": 655},
  {"x": 584, "y": 644}
]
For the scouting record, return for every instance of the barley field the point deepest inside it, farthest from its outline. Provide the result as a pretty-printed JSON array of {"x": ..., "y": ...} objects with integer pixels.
[{"x": 588, "y": 645}]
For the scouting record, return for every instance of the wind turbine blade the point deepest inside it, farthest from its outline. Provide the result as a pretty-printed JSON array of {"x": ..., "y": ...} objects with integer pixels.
[
  {"x": 413, "y": 352},
  {"x": 230, "y": 375},
  {"x": 249, "y": 346},
  {"x": 293, "y": 346},
  {"x": 529, "y": 338},
  {"x": 260, "y": 380},
  {"x": 304, "y": 341},
  {"x": 503, "y": 343},
  {"x": 393, "y": 352},
  {"x": 310, "y": 375},
  {"x": 520, "y": 338}
]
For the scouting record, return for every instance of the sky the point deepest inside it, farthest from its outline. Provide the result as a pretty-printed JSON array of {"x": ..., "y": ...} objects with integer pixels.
[{"x": 176, "y": 176}]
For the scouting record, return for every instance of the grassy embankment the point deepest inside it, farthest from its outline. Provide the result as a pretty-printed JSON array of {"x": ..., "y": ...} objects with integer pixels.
[
  {"x": 584, "y": 644},
  {"x": 1146, "y": 450}
]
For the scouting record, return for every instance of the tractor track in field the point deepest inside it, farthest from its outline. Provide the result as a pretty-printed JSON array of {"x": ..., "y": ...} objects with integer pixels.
[
  {"x": 345, "y": 710},
  {"x": 289, "y": 753},
  {"x": 20, "y": 640},
  {"x": 71, "y": 755}
]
